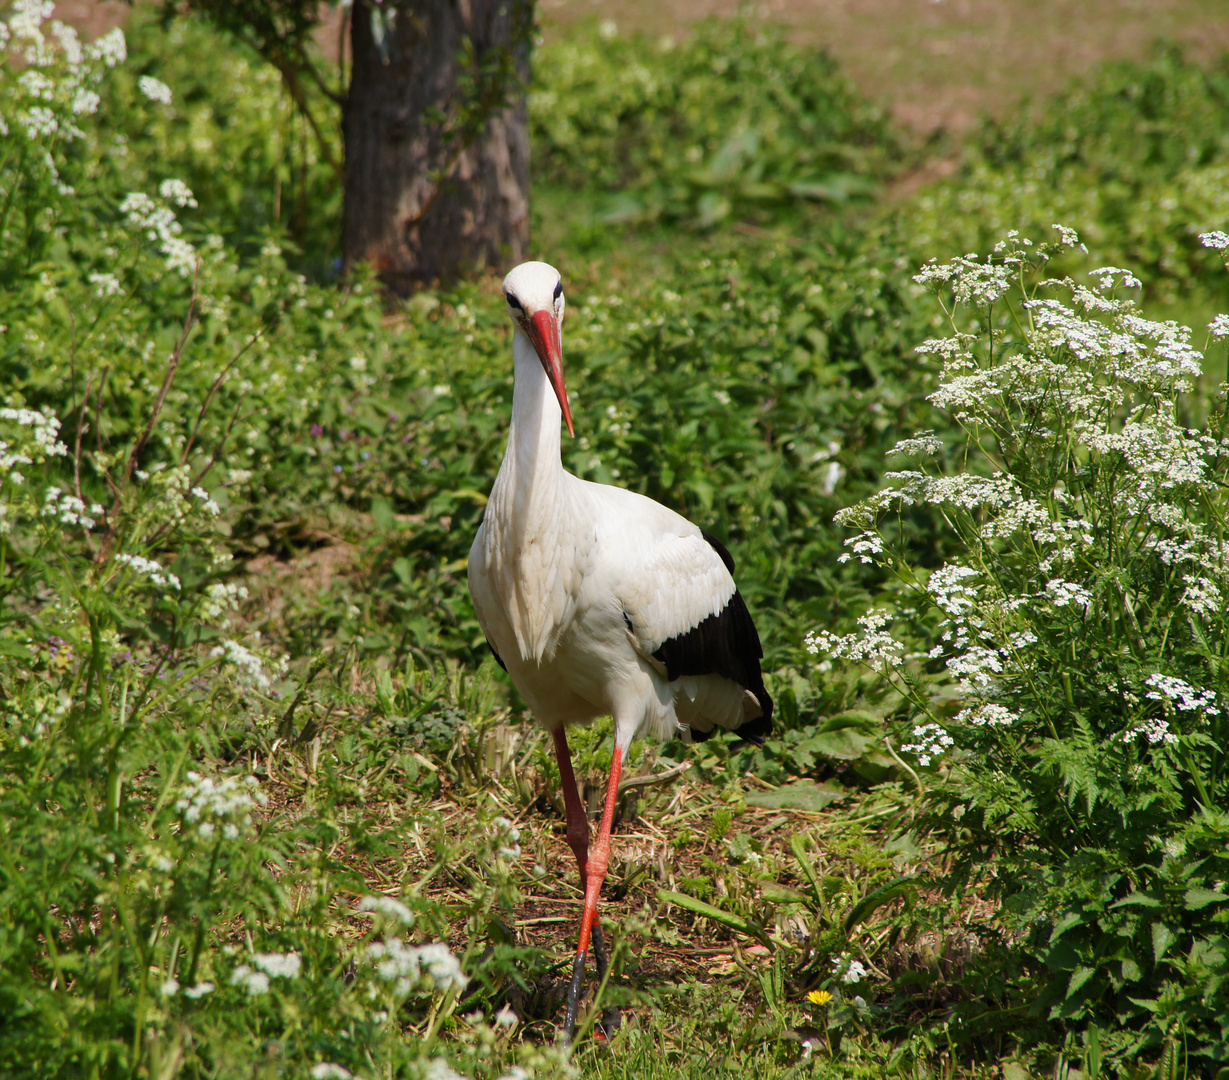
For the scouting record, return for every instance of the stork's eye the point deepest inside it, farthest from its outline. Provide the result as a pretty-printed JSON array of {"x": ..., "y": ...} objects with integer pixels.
[
  {"x": 513, "y": 302},
  {"x": 558, "y": 290}
]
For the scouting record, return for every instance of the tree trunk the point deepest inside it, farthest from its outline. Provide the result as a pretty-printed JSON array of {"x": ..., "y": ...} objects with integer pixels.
[{"x": 437, "y": 140}]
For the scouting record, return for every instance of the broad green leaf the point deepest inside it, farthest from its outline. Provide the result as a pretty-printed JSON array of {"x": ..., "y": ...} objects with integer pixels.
[
  {"x": 1151, "y": 898},
  {"x": 901, "y": 886},
  {"x": 698, "y": 907},
  {"x": 1198, "y": 898},
  {"x": 1079, "y": 977},
  {"x": 782, "y": 894},
  {"x": 1162, "y": 937},
  {"x": 804, "y": 795},
  {"x": 844, "y": 744},
  {"x": 1072, "y": 918}
]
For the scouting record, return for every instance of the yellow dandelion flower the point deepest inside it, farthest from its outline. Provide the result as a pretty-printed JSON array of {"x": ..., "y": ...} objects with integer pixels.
[{"x": 819, "y": 997}]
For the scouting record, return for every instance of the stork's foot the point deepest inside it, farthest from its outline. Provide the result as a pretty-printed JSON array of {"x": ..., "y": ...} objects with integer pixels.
[
  {"x": 578, "y": 979},
  {"x": 611, "y": 1021},
  {"x": 612, "y": 1018}
]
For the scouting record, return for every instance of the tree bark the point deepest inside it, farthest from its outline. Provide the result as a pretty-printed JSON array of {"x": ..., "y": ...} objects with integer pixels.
[{"x": 437, "y": 140}]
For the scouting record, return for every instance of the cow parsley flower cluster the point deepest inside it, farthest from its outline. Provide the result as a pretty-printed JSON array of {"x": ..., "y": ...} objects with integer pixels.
[
  {"x": 872, "y": 645},
  {"x": 389, "y": 908},
  {"x": 255, "y": 979},
  {"x": 1181, "y": 695},
  {"x": 508, "y": 836},
  {"x": 149, "y": 568},
  {"x": 932, "y": 742},
  {"x": 154, "y": 89},
  {"x": 251, "y": 668},
  {"x": 1083, "y": 508},
  {"x": 158, "y": 222},
  {"x": 67, "y": 509},
  {"x": 219, "y": 805},
  {"x": 410, "y": 968}
]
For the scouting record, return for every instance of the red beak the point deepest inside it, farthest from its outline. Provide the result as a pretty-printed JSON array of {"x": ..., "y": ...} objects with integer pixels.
[{"x": 543, "y": 331}]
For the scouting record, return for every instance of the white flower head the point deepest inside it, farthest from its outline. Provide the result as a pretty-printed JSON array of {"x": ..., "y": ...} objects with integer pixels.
[
  {"x": 1216, "y": 240},
  {"x": 254, "y": 982},
  {"x": 155, "y": 89},
  {"x": 389, "y": 907},
  {"x": 932, "y": 741},
  {"x": 279, "y": 965}
]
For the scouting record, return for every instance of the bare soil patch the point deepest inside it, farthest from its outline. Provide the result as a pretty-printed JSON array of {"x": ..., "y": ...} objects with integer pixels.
[{"x": 944, "y": 63}]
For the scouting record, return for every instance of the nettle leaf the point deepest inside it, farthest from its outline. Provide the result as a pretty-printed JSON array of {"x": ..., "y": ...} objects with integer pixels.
[
  {"x": 1153, "y": 899},
  {"x": 1162, "y": 937},
  {"x": 1197, "y": 898},
  {"x": 1079, "y": 977},
  {"x": 1072, "y": 918}
]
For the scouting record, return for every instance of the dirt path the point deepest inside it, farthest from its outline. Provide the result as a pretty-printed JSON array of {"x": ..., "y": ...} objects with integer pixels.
[{"x": 942, "y": 63}]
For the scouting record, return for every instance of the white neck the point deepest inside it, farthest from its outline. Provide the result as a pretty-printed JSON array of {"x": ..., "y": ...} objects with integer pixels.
[
  {"x": 527, "y": 519},
  {"x": 533, "y": 439}
]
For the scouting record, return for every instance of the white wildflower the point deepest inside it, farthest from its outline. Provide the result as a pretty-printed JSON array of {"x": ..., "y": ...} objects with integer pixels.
[
  {"x": 1068, "y": 237},
  {"x": 207, "y": 803},
  {"x": 106, "y": 285},
  {"x": 254, "y": 982},
  {"x": 413, "y": 967},
  {"x": 200, "y": 989},
  {"x": 1219, "y": 326},
  {"x": 169, "y": 987},
  {"x": 505, "y": 1018},
  {"x": 504, "y": 829},
  {"x": 864, "y": 547},
  {"x": 872, "y": 645},
  {"x": 923, "y": 444},
  {"x": 987, "y": 715},
  {"x": 155, "y": 89},
  {"x": 150, "y": 568},
  {"x": 251, "y": 668},
  {"x": 207, "y": 504},
  {"x": 848, "y": 969},
  {"x": 1155, "y": 730},
  {"x": 69, "y": 510},
  {"x": 1217, "y": 240},
  {"x": 279, "y": 965},
  {"x": 931, "y": 743},
  {"x": 221, "y": 598},
  {"x": 330, "y": 1070},
  {"x": 1106, "y": 276},
  {"x": 1181, "y": 694},
  {"x": 389, "y": 907},
  {"x": 1063, "y": 593},
  {"x": 177, "y": 192},
  {"x": 1202, "y": 595},
  {"x": 439, "y": 1069}
]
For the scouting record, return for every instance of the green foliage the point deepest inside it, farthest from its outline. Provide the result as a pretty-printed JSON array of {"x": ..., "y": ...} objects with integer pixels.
[
  {"x": 730, "y": 122},
  {"x": 1081, "y": 632},
  {"x": 236, "y": 509},
  {"x": 1135, "y": 159},
  {"x": 231, "y": 132}
]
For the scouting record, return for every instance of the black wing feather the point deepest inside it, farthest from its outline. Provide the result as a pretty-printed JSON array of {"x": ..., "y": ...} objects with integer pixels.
[
  {"x": 726, "y": 644},
  {"x": 498, "y": 659}
]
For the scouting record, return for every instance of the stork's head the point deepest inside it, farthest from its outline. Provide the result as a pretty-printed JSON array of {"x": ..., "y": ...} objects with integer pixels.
[{"x": 534, "y": 292}]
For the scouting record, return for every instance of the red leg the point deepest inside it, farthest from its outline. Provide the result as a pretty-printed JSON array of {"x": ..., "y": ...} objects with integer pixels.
[
  {"x": 578, "y": 819},
  {"x": 597, "y": 862}
]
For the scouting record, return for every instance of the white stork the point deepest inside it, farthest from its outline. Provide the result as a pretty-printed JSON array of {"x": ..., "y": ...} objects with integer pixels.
[{"x": 599, "y": 601}]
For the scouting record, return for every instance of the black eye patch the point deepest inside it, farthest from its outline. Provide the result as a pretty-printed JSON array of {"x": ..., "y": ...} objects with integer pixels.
[
  {"x": 513, "y": 301},
  {"x": 558, "y": 290}
]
